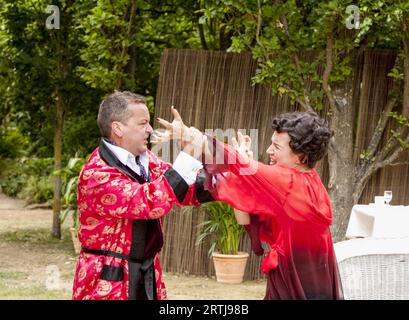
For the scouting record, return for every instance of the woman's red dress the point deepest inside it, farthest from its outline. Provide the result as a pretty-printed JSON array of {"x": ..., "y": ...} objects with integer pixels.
[{"x": 291, "y": 212}]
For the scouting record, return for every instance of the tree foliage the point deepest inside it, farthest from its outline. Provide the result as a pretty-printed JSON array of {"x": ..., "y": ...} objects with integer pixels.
[{"x": 306, "y": 50}]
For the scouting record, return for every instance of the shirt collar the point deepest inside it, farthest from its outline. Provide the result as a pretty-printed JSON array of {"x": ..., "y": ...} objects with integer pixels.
[{"x": 124, "y": 155}]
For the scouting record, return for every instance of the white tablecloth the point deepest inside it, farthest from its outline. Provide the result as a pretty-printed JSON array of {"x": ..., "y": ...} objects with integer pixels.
[{"x": 378, "y": 221}]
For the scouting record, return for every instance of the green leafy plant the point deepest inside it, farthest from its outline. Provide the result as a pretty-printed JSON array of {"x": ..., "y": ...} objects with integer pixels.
[
  {"x": 11, "y": 177},
  {"x": 38, "y": 185},
  {"x": 70, "y": 176},
  {"x": 37, "y": 189},
  {"x": 221, "y": 228},
  {"x": 27, "y": 178},
  {"x": 12, "y": 143}
]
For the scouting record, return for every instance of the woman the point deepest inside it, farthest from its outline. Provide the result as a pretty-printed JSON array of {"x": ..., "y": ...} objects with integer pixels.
[{"x": 290, "y": 207}]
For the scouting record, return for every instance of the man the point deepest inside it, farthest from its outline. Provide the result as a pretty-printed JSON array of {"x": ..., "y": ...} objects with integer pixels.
[{"x": 123, "y": 192}]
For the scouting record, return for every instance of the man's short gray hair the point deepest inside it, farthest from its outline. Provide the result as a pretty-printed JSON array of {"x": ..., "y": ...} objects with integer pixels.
[{"x": 115, "y": 108}]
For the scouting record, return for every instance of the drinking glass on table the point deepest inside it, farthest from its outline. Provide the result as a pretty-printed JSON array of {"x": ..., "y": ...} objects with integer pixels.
[{"x": 387, "y": 195}]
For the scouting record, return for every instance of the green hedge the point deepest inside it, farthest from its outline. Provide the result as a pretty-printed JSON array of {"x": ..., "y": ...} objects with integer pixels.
[{"x": 28, "y": 179}]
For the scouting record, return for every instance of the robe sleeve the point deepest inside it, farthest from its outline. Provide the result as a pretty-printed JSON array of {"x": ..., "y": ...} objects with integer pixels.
[
  {"x": 199, "y": 192},
  {"x": 111, "y": 193}
]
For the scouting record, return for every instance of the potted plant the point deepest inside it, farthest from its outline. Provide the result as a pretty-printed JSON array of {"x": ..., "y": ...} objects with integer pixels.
[
  {"x": 71, "y": 173},
  {"x": 224, "y": 233}
]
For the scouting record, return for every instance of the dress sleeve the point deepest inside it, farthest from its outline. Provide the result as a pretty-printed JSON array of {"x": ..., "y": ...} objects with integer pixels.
[
  {"x": 249, "y": 186},
  {"x": 253, "y": 231}
]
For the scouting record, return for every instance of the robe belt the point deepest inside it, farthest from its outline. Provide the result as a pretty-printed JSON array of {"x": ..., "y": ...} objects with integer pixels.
[
  {"x": 111, "y": 254},
  {"x": 139, "y": 266},
  {"x": 270, "y": 260}
]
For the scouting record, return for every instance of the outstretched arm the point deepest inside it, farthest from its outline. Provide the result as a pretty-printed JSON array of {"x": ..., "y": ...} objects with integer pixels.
[
  {"x": 192, "y": 142},
  {"x": 242, "y": 182}
]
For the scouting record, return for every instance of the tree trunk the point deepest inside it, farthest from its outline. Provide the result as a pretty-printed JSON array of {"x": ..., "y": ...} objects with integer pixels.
[
  {"x": 405, "y": 41},
  {"x": 122, "y": 65},
  {"x": 59, "y": 122},
  {"x": 132, "y": 68},
  {"x": 224, "y": 39},
  {"x": 341, "y": 163}
]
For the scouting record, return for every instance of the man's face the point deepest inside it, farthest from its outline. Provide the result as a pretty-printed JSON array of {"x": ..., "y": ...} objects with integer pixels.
[
  {"x": 280, "y": 151},
  {"x": 135, "y": 131}
]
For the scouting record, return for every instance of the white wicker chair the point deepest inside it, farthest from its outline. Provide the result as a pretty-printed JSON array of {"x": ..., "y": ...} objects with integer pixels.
[{"x": 374, "y": 269}]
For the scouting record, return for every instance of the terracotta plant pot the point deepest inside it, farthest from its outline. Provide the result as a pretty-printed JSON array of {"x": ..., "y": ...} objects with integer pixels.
[
  {"x": 230, "y": 267},
  {"x": 75, "y": 241}
]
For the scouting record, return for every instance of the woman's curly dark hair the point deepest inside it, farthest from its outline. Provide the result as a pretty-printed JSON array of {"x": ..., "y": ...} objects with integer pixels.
[{"x": 309, "y": 134}]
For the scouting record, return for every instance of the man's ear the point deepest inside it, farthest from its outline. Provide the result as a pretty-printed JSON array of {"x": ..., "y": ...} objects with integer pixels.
[{"x": 116, "y": 128}]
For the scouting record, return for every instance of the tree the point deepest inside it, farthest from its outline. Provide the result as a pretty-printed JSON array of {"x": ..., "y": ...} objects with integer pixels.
[
  {"x": 52, "y": 77},
  {"x": 277, "y": 32},
  {"x": 124, "y": 42},
  {"x": 44, "y": 87}
]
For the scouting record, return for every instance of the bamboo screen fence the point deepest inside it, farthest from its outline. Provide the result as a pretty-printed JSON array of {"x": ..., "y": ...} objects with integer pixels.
[{"x": 214, "y": 90}]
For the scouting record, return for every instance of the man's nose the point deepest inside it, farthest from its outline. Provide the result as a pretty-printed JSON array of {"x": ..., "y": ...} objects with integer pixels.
[{"x": 149, "y": 129}]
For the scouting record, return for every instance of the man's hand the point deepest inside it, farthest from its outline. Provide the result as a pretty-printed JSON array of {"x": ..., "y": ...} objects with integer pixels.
[
  {"x": 174, "y": 130},
  {"x": 192, "y": 141}
]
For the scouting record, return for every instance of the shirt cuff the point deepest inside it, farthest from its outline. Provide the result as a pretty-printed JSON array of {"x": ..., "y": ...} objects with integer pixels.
[{"x": 187, "y": 167}]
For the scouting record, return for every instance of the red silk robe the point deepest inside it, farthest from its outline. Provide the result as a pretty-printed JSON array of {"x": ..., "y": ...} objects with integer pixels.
[
  {"x": 291, "y": 212},
  {"x": 109, "y": 200}
]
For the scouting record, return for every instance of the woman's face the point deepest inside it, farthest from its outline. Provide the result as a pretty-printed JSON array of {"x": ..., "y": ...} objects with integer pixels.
[{"x": 280, "y": 151}]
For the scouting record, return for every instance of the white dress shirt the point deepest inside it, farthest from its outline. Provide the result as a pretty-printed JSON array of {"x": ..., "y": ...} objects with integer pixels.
[{"x": 185, "y": 165}]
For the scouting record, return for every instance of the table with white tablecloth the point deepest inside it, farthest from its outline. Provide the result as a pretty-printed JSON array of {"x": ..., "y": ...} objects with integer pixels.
[{"x": 378, "y": 221}]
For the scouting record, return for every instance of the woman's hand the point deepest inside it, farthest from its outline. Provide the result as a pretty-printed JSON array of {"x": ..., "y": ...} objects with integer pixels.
[
  {"x": 193, "y": 142},
  {"x": 243, "y": 145},
  {"x": 242, "y": 218}
]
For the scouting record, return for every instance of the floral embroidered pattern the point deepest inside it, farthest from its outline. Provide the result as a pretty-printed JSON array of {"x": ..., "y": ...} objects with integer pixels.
[{"x": 108, "y": 201}]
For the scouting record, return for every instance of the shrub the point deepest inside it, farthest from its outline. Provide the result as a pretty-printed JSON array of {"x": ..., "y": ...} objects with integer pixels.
[
  {"x": 38, "y": 186},
  {"x": 12, "y": 177},
  {"x": 37, "y": 189},
  {"x": 12, "y": 144},
  {"x": 26, "y": 178}
]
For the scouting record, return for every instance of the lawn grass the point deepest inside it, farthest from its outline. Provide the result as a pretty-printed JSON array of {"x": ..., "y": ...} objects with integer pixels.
[
  {"x": 24, "y": 278},
  {"x": 10, "y": 292},
  {"x": 40, "y": 237}
]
